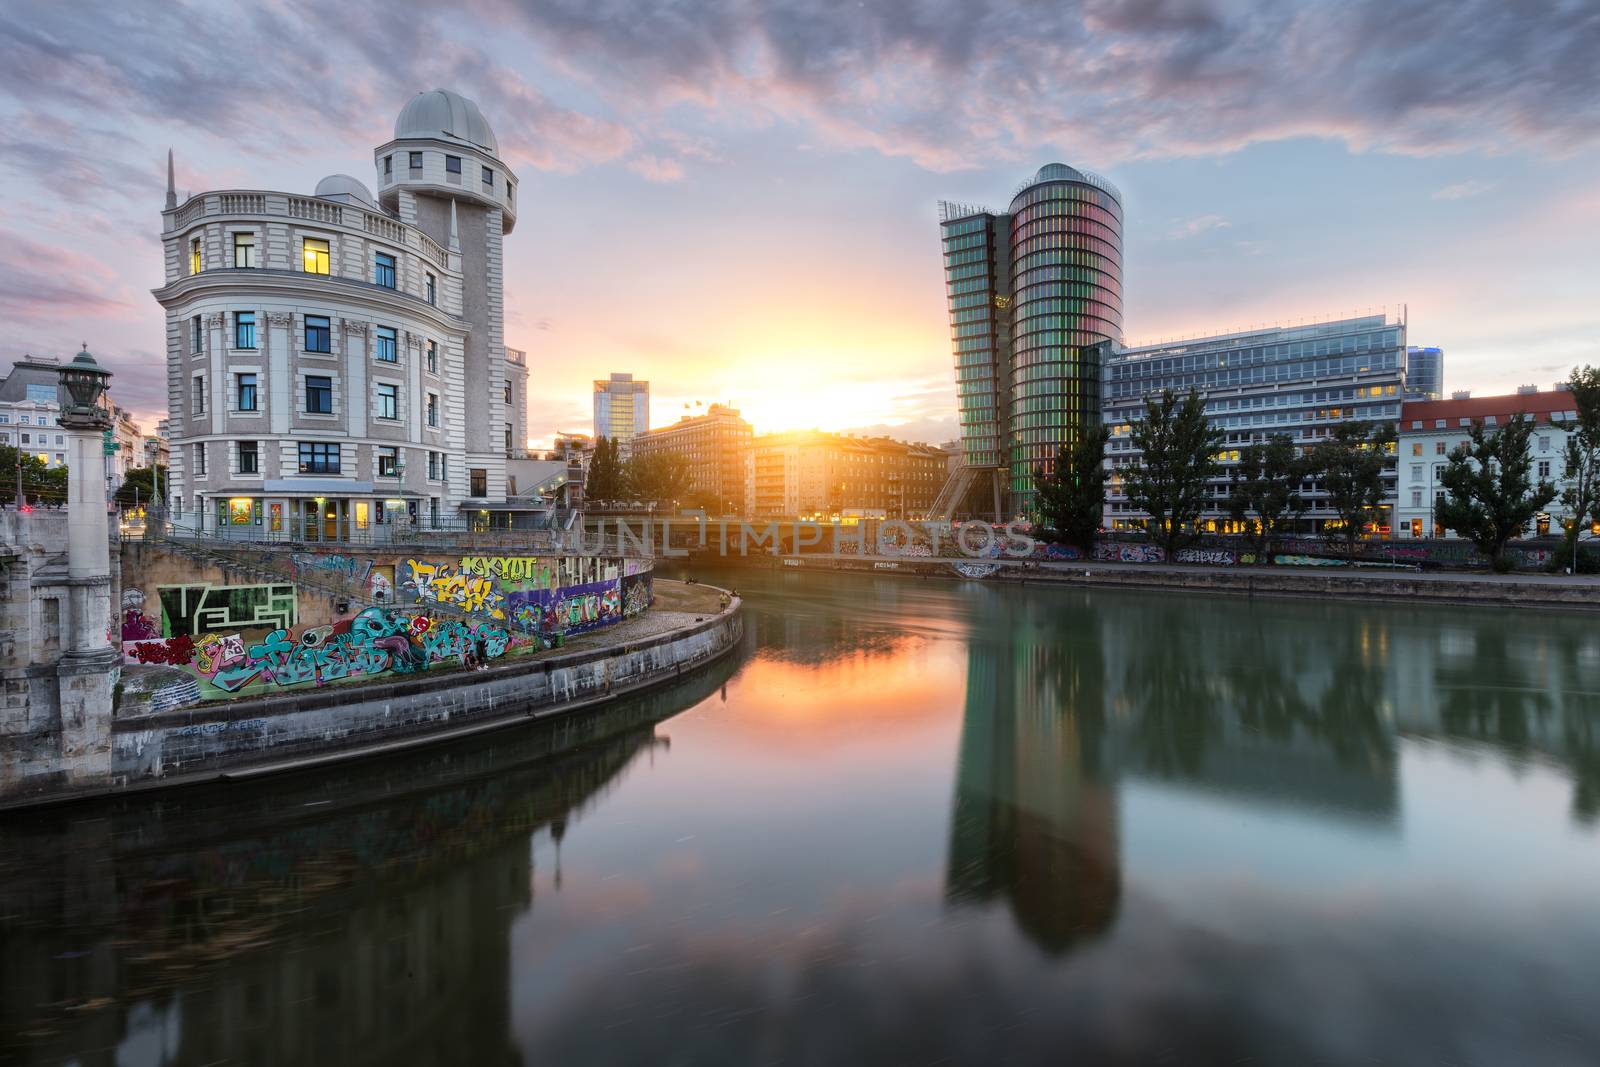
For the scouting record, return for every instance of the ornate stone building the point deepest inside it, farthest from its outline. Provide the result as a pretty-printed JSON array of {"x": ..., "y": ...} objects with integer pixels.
[{"x": 336, "y": 362}]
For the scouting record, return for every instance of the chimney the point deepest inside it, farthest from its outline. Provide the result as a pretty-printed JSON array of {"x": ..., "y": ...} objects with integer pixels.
[
  {"x": 1561, "y": 387},
  {"x": 1461, "y": 394},
  {"x": 1527, "y": 390}
]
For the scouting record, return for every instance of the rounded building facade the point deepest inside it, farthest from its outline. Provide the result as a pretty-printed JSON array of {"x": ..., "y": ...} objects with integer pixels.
[
  {"x": 1066, "y": 273},
  {"x": 336, "y": 362}
]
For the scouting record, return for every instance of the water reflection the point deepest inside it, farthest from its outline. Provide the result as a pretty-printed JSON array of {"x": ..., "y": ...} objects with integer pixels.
[
  {"x": 1278, "y": 706},
  {"x": 354, "y": 915}
]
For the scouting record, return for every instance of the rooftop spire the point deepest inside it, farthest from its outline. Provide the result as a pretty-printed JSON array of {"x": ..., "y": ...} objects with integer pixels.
[{"x": 172, "y": 189}]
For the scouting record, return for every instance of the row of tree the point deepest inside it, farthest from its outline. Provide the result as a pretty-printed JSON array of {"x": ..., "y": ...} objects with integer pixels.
[
  {"x": 1490, "y": 494},
  {"x": 40, "y": 482},
  {"x": 653, "y": 478}
]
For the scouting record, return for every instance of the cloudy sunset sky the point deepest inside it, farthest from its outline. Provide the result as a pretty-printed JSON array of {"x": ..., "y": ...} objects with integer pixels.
[{"x": 737, "y": 200}]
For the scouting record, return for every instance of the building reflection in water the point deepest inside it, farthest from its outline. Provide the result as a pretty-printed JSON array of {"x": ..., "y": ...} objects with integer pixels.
[
  {"x": 1281, "y": 706},
  {"x": 357, "y": 916}
]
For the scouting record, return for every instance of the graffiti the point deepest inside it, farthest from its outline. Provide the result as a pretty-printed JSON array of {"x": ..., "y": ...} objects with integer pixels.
[
  {"x": 1120, "y": 553},
  {"x": 636, "y": 592},
  {"x": 518, "y": 570},
  {"x": 1217, "y": 557},
  {"x": 382, "y": 588},
  {"x": 374, "y": 642},
  {"x": 882, "y": 566},
  {"x": 975, "y": 570},
  {"x": 222, "y": 727},
  {"x": 177, "y": 651},
  {"x": 1056, "y": 552},
  {"x": 344, "y": 566},
  {"x": 136, "y": 625},
  {"x": 194, "y": 609},
  {"x": 438, "y": 583}
]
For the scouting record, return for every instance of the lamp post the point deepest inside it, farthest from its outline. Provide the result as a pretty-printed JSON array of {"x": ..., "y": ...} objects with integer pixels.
[{"x": 88, "y": 670}]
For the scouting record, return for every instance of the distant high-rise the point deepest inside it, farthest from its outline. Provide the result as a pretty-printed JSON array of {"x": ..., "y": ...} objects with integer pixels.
[
  {"x": 1031, "y": 292},
  {"x": 1424, "y": 373},
  {"x": 621, "y": 408}
]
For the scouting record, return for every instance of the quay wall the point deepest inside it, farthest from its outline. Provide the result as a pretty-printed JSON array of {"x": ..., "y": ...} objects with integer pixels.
[
  {"x": 303, "y": 728},
  {"x": 1581, "y": 593}
]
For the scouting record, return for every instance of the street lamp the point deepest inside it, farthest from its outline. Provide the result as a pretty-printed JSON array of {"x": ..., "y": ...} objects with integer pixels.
[{"x": 85, "y": 382}]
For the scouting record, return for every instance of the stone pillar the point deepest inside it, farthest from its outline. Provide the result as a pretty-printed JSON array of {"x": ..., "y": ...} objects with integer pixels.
[{"x": 90, "y": 668}]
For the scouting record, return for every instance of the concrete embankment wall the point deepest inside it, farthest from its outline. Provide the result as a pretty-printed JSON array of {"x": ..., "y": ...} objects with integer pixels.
[
  {"x": 305, "y": 727},
  {"x": 1581, "y": 593}
]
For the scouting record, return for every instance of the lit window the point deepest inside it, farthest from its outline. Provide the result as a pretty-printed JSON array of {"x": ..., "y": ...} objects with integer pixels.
[
  {"x": 194, "y": 256},
  {"x": 385, "y": 347},
  {"x": 383, "y": 270},
  {"x": 244, "y": 250},
  {"x": 388, "y": 401},
  {"x": 314, "y": 256},
  {"x": 319, "y": 333}
]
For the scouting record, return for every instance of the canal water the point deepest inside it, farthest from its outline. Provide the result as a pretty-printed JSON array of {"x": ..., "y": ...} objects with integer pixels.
[{"x": 914, "y": 822}]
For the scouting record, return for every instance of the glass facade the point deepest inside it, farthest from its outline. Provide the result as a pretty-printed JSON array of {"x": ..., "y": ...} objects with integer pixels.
[
  {"x": 1299, "y": 382},
  {"x": 1031, "y": 293},
  {"x": 978, "y": 287},
  {"x": 1066, "y": 271},
  {"x": 1424, "y": 373}
]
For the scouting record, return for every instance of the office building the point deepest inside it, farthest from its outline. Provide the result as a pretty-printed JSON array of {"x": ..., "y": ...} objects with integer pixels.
[
  {"x": 1424, "y": 373},
  {"x": 1297, "y": 381},
  {"x": 1031, "y": 291},
  {"x": 30, "y": 402},
  {"x": 621, "y": 409},
  {"x": 717, "y": 448},
  {"x": 337, "y": 360},
  {"x": 1430, "y": 430},
  {"x": 826, "y": 476}
]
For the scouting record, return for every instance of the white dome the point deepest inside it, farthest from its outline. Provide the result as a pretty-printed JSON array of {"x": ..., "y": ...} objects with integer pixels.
[
  {"x": 447, "y": 114},
  {"x": 342, "y": 186}
]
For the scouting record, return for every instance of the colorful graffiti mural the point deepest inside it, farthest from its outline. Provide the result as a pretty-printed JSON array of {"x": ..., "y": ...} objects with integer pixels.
[
  {"x": 136, "y": 625},
  {"x": 532, "y": 594},
  {"x": 197, "y": 609},
  {"x": 374, "y": 642}
]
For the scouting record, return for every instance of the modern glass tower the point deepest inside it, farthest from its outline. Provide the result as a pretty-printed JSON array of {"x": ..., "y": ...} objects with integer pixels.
[{"x": 1031, "y": 292}]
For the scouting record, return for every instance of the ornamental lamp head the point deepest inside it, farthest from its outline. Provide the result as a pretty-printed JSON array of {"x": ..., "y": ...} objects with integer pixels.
[{"x": 85, "y": 382}]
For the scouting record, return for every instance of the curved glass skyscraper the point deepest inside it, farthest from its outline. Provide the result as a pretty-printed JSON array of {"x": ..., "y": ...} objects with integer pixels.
[
  {"x": 1031, "y": 291},
  {"x": 1066, "y": 279}
]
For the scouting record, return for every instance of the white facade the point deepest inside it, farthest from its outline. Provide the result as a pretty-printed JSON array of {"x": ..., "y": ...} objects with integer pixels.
[
  {"x": 1429, "y": 431},
  {"x": 30, "y": 403},
  {"x": 336, "y": 362}
]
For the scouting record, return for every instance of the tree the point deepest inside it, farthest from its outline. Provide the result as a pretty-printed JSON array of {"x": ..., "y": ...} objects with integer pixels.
[
  {"x": 1351, "y": 465},
  {"x": 138, "y": 486},
  {"x": 604, "y": 481},
  {"x": 1170, "y": 479},
  {"x": 1491, "y": 497},
  {"x": 1070, "y": 496},
  {"x": 1265, "y": 490},
  {"x": 41, "y": 483},
  {"x": 1581, "y": 497},
  {"x": 658, "y": 477}
]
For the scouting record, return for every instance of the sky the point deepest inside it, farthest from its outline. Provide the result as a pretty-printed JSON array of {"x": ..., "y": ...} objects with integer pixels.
[{"x": 738, "y": 201}]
